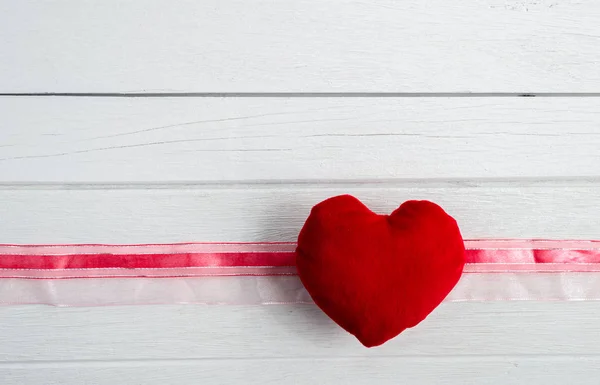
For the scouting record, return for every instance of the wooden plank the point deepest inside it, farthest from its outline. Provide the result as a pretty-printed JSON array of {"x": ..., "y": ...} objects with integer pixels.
[
  {"x": 507, "y": 370},
  {"x": 300, "y": 46},
  {"x": 38, "y": 333},
  {"x": 282, "y": 139},
  {"x": 148, "y": 214}
]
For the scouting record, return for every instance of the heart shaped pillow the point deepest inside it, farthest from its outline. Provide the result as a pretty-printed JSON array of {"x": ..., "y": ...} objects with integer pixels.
[{"x": 377, "y": 275}]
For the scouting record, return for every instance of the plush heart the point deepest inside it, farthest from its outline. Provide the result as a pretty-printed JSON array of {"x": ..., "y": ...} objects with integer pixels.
[{"x": 376, "y": 275}]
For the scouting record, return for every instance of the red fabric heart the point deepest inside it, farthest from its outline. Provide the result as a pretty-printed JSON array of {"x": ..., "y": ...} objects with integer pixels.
[{"x": 376, "y": 275}]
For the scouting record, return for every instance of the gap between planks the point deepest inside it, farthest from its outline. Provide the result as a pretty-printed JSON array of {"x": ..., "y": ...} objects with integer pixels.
[
  {"x": 144, "y": 362},
  {"x": 558, "y": 181},
  {"x": 306, "y": 94}
]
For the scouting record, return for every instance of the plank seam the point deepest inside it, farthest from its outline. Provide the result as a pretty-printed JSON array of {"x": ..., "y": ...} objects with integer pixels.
[{"x": 303, "y": 94}]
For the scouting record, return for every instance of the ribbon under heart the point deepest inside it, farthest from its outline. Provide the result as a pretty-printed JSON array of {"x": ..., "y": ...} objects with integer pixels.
[
  {"x": 375, "y": 275},
  {"x": 196, "y": 260}
]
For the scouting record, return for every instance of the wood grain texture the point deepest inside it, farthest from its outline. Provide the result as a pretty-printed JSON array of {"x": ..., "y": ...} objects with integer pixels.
[
  {"x": 506, "y": 370},
  {"x": 140, "y": 333},
  {"x": 250, "y": 213},
  {"x": 121, "y": 170},
  {"x": 308, "y": 139},
  {"x": 300, "y": 46},
  {"x": 542, "y": 343}
]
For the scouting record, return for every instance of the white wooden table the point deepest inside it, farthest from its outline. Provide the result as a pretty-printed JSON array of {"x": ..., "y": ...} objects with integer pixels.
[{"x": 218, "y": 120}]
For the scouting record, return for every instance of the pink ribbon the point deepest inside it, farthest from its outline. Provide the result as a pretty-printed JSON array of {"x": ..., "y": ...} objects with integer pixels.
[{"x": 264, "y": 259}]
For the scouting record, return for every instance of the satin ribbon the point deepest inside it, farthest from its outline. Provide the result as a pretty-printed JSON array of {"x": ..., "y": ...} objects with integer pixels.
[
  {"x": 264, "y": 273},
  {"x": 264, "y": 259}
]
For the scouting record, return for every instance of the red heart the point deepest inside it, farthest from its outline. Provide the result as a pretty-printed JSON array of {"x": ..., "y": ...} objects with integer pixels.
[{"x": 376, "y": 275}]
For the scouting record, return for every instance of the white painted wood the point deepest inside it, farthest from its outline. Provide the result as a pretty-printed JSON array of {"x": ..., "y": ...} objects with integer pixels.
[
  {"x": 526, "y": 168},
  {"x": 458, "y": 343},
  {"x": 119, "y": 170},
  {"x": 468, "y": 330},
  {"x": 247, "y": 213},
  {"x": 283, "y": 139},
  {"x": 300, "y": 46},
  {"x": 506, "y": 370}
]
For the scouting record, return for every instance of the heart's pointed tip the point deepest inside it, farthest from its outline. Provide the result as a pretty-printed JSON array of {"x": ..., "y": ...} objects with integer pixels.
[
  {"x": 373, "y": 339},
  {"x": 370, "y": 344}
]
